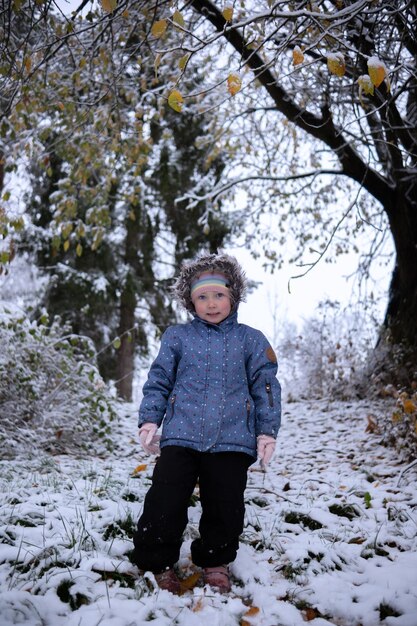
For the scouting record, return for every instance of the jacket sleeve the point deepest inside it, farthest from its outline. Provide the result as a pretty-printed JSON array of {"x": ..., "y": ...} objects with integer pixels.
[
  {"x": 161, "y": 379},
  {"x": 265, "y": 390}
]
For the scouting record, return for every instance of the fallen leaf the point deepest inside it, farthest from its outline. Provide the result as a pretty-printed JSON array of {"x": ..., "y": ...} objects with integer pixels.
[
  {"x": 198, "y": 605},
  {"x": 139, "y": 468},
  {"x": 253, "y": 610},
  {"x": 189, "y": 583},
  {"x": 372, "y": 426},
  {"x": 310, "y": 614},
  {"x": 409, "y": 406}
]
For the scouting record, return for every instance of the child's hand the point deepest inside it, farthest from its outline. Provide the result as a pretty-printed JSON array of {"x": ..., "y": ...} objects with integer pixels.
[
  {"x": 266, "y": 447},
  {"x": 148, "y": 438}
]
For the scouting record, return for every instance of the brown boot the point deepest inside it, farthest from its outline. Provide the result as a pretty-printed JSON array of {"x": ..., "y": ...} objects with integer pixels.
[
  {"x": 218, "y": 578},
  {"x": 168, "y": 580}
]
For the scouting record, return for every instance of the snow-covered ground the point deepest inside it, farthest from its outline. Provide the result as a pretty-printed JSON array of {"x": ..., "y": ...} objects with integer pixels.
[{"x": 330, "y": 535}]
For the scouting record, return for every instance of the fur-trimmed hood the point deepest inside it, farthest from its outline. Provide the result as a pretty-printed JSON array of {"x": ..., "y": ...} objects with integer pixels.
[{"x": 223, "y": 263}]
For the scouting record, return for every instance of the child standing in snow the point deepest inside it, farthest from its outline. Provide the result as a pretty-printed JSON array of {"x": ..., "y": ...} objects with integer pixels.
[{"x": 213, "y": 387}]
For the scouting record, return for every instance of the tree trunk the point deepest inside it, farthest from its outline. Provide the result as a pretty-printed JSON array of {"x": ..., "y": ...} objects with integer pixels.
[
  {"x": 1, "y": 170},
  {"x": 126, "y": 352},
  {"x": 397, "y": 345}
]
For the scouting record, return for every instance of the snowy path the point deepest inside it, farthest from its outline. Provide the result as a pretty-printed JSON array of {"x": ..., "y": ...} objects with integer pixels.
[{"x": 330, "y": 536}]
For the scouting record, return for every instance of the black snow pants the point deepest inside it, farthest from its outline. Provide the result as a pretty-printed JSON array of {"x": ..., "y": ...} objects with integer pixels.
[{"x": 222, "y": 480}]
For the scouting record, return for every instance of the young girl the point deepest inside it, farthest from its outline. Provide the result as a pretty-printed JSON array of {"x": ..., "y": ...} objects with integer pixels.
[{"x": 213, "y": 387}]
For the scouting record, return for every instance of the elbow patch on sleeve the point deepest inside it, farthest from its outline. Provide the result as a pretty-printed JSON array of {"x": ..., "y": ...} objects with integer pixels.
[{"x": 270, "y": 354}]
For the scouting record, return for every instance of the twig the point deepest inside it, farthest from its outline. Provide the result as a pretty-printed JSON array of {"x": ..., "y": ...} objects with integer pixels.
[
  {"x": 412, "y": 464},
  {"x": 274, "y": 493}
]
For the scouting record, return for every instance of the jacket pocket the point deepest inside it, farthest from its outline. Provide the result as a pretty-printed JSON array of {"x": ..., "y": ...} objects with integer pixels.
[
  {"x": 170, "y": 409},
  {"x": 269, "y": 394}
]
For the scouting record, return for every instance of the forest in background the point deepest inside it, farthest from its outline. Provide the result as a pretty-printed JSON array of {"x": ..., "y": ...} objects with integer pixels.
[{"x": 129, "y": 130}]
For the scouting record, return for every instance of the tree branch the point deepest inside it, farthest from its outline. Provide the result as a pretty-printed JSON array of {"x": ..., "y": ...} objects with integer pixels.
[{"x": 322, "y": 128}]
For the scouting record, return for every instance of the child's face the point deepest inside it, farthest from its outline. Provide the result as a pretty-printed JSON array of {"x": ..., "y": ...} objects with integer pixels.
[{"x": 212, "y": 306}]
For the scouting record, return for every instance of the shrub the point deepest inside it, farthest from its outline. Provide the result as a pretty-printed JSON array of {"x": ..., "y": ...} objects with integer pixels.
[
  {"x": 399, "y": 426},
  {"x": 329, "y": 356},
  {"x": 52, "y": 397}
]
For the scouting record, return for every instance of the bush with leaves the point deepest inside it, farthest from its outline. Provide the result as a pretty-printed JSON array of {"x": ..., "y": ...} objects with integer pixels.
[
  {"x": 52, "y": 397},
  {"x": 398, "y": 426}
]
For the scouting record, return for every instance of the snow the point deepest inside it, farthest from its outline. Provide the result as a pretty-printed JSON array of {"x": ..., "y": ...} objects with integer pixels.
[{"x": 329, "y": 538}]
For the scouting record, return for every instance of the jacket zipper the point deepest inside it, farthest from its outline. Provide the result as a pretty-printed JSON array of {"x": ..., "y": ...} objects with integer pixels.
[
  {"x": 270, "y": 396},
  {"x": 248, "y": 413}
]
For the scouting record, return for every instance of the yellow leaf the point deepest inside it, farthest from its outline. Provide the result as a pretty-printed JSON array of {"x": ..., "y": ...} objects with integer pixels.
[
  {"x": 139, "y": 468},
  {"x": 183, "y": 61},
  {"x": 189, "y": 583},
  {"x": 117, "y": 343},
  {"x": 66, "y": 245},
  {"x": 198, "y": 605},
  {"x": 336, "y": 64},
  {"x": 297, "y": 56},
  {"x": 109, "y": 5},
  {"x": 409, "y": 406},
  {"x": 158, "y": 28},
  {"x": 79, "y": 250},
  {"x": 175, "y": 100},
  {"x": 178, "y": 19},
  {"x": 357, "y": 540},
  {"x": 234, "y": 84},
  {"x": 376, "y": 70},
  {"x": 228, "y": 13},
  {"x": 366, "y": 85},
  {"x": 253, "y": 610},
  {"x": 28, "y": 64}
]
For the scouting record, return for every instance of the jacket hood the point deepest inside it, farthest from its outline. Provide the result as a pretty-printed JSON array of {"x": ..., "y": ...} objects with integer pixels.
[{"x": 223, "y": 263}]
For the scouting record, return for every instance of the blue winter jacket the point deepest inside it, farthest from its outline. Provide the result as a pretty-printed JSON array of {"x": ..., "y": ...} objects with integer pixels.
[{"x": 215, "y": 385}]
